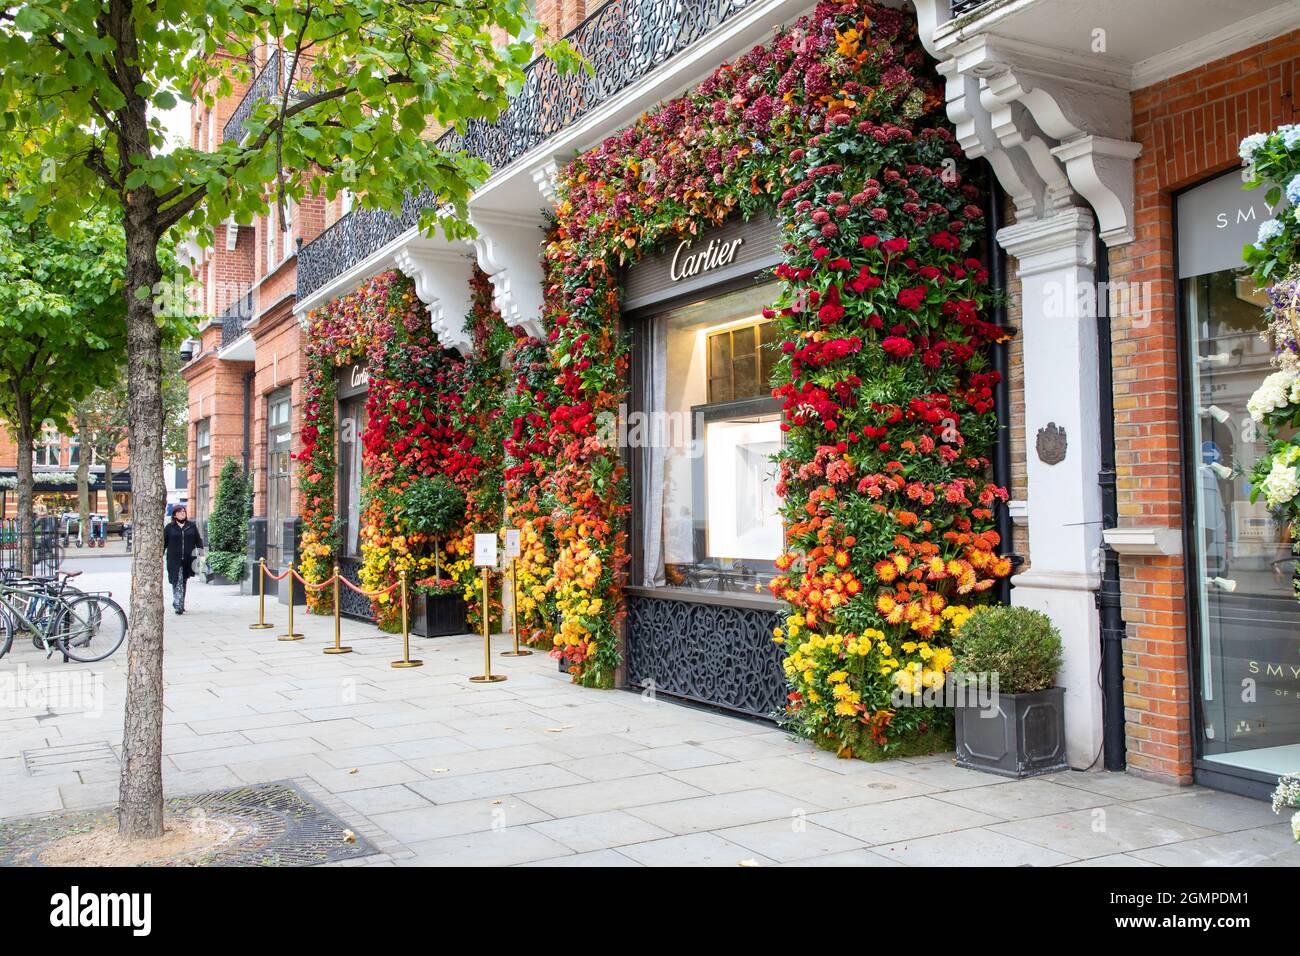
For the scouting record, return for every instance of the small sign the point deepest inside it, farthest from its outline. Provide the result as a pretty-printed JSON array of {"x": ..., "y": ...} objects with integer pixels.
[
  {"x": 512, "y": 543},
  {"x": 485, "y": 550}
]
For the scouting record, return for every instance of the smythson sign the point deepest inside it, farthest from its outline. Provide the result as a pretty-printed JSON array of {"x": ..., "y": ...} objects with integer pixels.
[{"x": 731, "y": 251}]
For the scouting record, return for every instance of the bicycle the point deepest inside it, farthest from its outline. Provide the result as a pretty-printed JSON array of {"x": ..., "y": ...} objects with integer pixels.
[{"x": 84, "y": 627}]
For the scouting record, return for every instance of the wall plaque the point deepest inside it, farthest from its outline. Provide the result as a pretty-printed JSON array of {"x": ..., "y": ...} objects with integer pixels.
[{"x": 1051, "y": 444}]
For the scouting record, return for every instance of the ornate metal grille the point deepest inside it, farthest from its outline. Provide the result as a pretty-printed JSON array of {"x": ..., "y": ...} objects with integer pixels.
[
  {"x": 963, "y": 7},
  {"x": 623, "y": 41},
  {"x": 263, "y": 87},
  {"x": 354, "y": 237},
  {"x": 708, "y": 653},
  {"x": 351, "y": 604},
  {"x": 235, "y": 318}
]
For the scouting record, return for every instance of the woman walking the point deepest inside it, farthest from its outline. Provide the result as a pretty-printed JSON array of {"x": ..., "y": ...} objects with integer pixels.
[{"x": 180, "y": 541}]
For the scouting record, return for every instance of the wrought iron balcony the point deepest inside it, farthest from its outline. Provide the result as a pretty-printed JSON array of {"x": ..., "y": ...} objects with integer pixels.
[
  {"x": 264, "y": 86},
  {"x": 962, "y": 7},
  {"x": 235, "y": 318},
  {"x": 623, "y": 41}
]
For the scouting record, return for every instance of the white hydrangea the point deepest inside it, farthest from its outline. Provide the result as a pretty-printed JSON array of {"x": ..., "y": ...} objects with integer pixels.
[
  {"x": 1295, "y": 826},
  {"x": 1251, "y": 143},
  {"x": 1282, "y": 484},
  {"x": 1276, "y": 391},
  {"x": 1268, "y": 229}
]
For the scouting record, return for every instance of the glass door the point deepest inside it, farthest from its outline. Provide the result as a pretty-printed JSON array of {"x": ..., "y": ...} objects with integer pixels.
[{"x": 1248, "y": 627}]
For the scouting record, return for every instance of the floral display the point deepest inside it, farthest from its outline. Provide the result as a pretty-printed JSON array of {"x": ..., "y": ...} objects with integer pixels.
[
  {"x": 1273, "y": 163},
  {"x": 429, "y": 412},
  {"x": 835, "y": 128}
]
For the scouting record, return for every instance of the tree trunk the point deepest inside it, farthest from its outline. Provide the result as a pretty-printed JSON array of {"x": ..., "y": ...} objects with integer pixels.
[
  {"x": 110, "y": 504},
  {"x": 26, "y": 484},
  {"x": 85, "y": 452},
  {"x": 140, "y": 800}
]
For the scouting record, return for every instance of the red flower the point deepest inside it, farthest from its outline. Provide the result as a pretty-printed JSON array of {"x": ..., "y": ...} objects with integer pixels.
[
  {"x": 912, "y": 298},
  {"x": 898, "y": 347}
]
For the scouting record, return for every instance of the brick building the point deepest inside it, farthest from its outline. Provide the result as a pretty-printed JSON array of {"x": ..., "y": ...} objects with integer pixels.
[{"x": 1111, "y": 131}]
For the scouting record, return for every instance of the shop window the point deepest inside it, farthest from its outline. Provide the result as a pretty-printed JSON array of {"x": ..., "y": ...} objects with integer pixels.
[
  {"x": 352, "y": 425},
  {"x": 1244, "y": 631},
  {"x": 202, "y": 472},
  {"x": 702, "y": 439},
  {"x": 279, "y": 465}
]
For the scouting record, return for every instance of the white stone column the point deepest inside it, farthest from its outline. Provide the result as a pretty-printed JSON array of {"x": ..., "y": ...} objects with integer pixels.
[{"x": 1056, "y": 262}]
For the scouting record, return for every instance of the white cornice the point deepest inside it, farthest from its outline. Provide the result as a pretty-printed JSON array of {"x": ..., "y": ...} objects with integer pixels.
[{"x": 1283, "y": 18}]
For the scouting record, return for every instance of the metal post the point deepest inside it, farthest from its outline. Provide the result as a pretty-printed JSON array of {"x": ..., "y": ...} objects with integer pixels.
[
  {"x": 261, "y": 624},
  {"x": 514, "y": 610},
  {"x": 338, "y": 648},
  {"x": 291, "y": 634},
  {"x": 406, "y": 631},
  {"x": 487, "y": 677}
]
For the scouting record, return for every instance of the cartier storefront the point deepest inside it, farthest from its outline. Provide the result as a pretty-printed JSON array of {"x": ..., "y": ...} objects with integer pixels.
[{"x": 701, "y": 430}]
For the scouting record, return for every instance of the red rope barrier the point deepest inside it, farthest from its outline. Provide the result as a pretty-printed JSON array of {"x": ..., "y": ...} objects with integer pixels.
[
  {"x": 370, "y": 594},
  {"x": 277, "y": 577},
  {"x": 313, "y": 587}
]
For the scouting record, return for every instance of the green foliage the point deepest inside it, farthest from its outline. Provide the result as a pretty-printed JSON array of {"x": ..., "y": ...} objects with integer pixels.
[
  {"x": 1020, "y": 645},
  {"x": 368, "y": 80},
  {"x": 62, "y": 315},
  {"x": 1273, "y": 164},
  {"x": 433, "y": 506},
  {"x": 228, "y": 523}
]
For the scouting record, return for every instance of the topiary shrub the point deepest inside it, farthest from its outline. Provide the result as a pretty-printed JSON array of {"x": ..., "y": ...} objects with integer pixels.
[
  {"x": 228, "y": 524},
  {"x": 433, "y": 506},
  {"x": 1020, "y": 645}
]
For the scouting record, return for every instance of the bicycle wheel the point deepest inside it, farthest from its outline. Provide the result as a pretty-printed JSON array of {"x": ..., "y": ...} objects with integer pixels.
[
  {"x": 6, "y": 634},
  {"x": 90, "y": 628}
]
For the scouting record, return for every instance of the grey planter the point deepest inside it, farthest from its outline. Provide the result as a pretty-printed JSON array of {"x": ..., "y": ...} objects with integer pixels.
[{"x": 1023, "y": 736}]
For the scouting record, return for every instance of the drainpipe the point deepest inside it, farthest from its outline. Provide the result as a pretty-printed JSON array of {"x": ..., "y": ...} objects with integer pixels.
[
  {"x": 248, "y": 419},
  {"x": 1002, "y": 393},
  {"x": 1108, "y": 595}
]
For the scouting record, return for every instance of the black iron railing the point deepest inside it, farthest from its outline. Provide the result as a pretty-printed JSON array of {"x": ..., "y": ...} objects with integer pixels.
[
  {"x": 235, "y": 318},
  {"x": 44, "y": 544},
  {"x": 962, "y": 7},
  {"x": 263, "y": 87},
  {"x": 623, "y": 41}
]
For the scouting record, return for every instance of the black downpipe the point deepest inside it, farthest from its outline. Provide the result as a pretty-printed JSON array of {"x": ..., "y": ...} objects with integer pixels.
[
  {"x": 248, "y": 420},
  {"x": 1002, "y": 393},
  {"x": 1108, "y": 595}
]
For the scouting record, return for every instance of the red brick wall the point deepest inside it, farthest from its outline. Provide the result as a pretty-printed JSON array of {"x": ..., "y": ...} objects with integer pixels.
[{"x": 1189, "y": 127}]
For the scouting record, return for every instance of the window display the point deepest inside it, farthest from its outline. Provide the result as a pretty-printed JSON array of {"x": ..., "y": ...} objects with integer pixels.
[
  {"x": 706, "y": 432},
  {"x": 1246, "y": 645}
]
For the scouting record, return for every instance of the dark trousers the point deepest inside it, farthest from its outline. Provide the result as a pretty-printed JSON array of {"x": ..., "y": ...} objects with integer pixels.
[{"x": 178, "y": 590}]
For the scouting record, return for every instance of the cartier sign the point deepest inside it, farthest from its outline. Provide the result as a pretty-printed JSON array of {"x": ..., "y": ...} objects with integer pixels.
[
  {"x": 734, "y": 250},
  {"x": 353, "y": 380},
  {"x": 687, "y": 263}
]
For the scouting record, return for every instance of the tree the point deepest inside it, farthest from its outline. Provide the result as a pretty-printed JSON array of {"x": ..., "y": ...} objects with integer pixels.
[
  {"x": 228, "y": 523},
  {"x": 75, "y": 99},
  {"x": 61, "y": 328},
  {"x": 101, "y": 423}
]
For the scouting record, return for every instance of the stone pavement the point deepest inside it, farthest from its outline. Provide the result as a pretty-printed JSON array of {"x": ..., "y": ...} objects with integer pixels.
[{"x": 436, "y": 770}]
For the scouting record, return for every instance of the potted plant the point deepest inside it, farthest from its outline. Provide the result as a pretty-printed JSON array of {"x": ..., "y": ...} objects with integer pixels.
[
  {"x": 1010, "y": 715},
  {"x": 434, "y": 506},
  {"x": 226, "y": 561}
]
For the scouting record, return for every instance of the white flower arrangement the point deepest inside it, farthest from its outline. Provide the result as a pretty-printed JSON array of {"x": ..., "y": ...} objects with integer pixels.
[
  {"x": 42, "y": 478},
  {"x": 1277, "y": 391},
  {"x": 1287, "y": 796},
  {"x": 1251, "y": 143},
  {"x": 1282, "y": 483}
]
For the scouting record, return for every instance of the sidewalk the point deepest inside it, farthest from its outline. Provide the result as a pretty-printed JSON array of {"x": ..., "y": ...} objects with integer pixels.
[{"x": 436, "y": 770}]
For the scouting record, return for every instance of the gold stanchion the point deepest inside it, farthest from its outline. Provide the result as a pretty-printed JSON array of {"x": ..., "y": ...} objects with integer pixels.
[
  {"x": 406, "y": 632},
  {"x": 291, "y": 634},
  {"x": 514, "y": 610},
  {"x": 485, "y": 612},
  {"x": 337, "y": 648},
  {"x": 261, "y": 624}
]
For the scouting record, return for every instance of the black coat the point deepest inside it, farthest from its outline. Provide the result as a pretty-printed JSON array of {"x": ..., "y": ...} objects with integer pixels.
[{"x": 179, "y": 545}]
